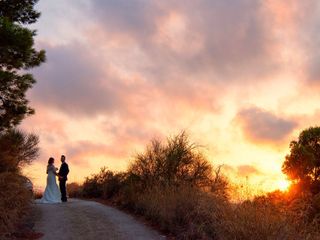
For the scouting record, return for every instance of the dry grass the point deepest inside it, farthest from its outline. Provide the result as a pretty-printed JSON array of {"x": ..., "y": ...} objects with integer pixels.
[
  {"x": 14, "y": 201},
  {"x": 192, "y": 214},
  {"x": 185, "y": 211},
  {"x": 251, "y": 220}
]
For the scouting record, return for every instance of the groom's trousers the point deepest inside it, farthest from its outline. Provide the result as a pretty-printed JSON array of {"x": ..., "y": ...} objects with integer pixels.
[{"x": 62, "y": 185}]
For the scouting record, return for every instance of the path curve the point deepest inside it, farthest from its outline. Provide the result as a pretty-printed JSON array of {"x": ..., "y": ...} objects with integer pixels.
[{"x": 79, "y": 219}]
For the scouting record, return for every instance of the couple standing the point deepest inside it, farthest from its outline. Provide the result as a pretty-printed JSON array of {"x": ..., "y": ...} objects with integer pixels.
[{"x": 52, "y": 193}]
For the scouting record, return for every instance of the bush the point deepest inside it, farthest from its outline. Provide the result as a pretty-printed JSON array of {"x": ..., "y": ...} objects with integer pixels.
[
  {"x": 37, "y": 194},
  {"x": 16, "y": 149},
  {"x": 106, "y": 184},
  {"x": 14, "y": 201},
  {"x": 74, "y": 190},
  {"x": 92, "y": 188},
  {"x": 113, "y": 184},
  {"x": 176, "y": 162}
]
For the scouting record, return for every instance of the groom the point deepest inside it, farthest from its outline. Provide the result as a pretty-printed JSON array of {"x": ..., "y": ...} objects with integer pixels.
[{"x": 63, "y": 173}]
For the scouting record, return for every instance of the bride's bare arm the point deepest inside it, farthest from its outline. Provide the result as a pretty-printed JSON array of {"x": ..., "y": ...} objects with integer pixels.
[{"x": 55, "y": 171}]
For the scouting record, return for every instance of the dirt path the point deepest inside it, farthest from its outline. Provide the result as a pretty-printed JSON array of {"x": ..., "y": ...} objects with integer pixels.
[{"x": 79, "y": 219}]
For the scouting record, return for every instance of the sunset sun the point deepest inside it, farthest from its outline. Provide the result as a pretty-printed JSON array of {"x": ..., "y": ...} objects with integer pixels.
[{"x": 283, "y": 185}]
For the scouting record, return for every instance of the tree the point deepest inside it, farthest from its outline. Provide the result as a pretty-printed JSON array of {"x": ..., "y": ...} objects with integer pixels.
[
  {"x": 16, "y": 150},
  {"x": 302, "y": 165},
  {"x": 17, "y": 54}
]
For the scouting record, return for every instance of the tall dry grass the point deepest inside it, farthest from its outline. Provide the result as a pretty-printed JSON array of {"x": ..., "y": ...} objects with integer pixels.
[{"x": 186, "y": 212}]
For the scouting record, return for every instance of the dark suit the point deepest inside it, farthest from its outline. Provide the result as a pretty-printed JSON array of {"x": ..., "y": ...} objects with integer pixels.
[{"x": 63, "y": 173}]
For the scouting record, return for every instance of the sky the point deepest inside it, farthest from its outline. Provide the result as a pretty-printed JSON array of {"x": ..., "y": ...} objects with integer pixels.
[{"x": 240, "y": 76}]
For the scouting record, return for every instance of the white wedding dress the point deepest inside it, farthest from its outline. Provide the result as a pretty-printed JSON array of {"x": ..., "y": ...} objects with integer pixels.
[{"x": 52, "y": 193}]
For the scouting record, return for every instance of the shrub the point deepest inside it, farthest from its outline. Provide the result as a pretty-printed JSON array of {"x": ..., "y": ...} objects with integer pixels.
[
  {"x": 37, "y": 194},
  {"x": 92, "y": 188},
  {"x": 105, "y": 184},
  {"x": 113, "y": 184},
  {"x": 177, "y": 162},
  {"x": 74, "y": 190},
  {"x": 14, "y": 201},
  {"x": 16, "y": 149}
]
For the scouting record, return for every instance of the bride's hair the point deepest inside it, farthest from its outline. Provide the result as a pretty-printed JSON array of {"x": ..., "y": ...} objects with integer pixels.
[{"x": 50, "y": 161}]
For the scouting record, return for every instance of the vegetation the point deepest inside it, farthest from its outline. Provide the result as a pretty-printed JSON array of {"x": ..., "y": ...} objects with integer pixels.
[
  {"x": 173, "y": 186},
  {"x": 15, "y": 198},
  {"x": 17, "y": 55},
  {"x": 16, "y": 150},
  {"x": 176, "y": 163},
  {"x": 302, "y": 165}
]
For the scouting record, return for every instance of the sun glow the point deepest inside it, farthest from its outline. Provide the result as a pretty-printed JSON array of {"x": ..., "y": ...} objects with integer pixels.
[{"x": 283, "y": 185}]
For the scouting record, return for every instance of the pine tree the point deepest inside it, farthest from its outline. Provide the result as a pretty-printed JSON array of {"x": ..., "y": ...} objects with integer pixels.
[{"x": 17, "y": 55}]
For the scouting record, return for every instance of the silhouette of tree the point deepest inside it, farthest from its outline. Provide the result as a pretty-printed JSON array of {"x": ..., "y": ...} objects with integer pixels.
[
  {"x": 17, "y": 54},
  {"x": 302, "y": 165},
  {"x": 16, "y": 150}
]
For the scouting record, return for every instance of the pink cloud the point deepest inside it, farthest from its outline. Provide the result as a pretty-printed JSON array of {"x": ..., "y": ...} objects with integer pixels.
[
  {"x": 259, "y": 125},
  {"x": 141, "y": 69}
]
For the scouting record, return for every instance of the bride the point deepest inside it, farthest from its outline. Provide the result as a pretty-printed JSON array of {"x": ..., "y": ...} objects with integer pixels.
[{"x": 52, "y": 193}]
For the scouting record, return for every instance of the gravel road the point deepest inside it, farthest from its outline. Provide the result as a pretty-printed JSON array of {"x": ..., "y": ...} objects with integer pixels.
[{"x": 79, "y": 219}]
